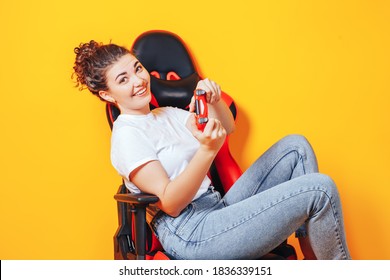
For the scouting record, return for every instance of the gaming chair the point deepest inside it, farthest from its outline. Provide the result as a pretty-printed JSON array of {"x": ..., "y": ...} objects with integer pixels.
[{"x": 174, "y": 77}]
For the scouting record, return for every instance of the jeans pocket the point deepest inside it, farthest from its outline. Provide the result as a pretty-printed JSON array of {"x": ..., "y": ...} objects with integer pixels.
[{"x": 179, "y": 223}]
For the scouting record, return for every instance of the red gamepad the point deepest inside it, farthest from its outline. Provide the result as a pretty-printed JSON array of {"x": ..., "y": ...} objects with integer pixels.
[{"x": 201, "y": 112}]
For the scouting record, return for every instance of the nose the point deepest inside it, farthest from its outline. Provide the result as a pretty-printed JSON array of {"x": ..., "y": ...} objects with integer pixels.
[{"x": 138, "y": 81}]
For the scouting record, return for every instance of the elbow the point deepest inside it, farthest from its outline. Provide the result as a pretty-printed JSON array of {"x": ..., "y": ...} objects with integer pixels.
[
  {"x": 168, "y": 204},
  {"x": 230, "y": 124},
  {"x": 172, "y": 212},
  {"x": 230, "y": 128},
  {"x": 169, "y": 210}
]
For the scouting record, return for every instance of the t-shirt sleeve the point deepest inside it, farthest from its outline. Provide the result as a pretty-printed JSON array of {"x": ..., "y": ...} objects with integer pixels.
[{"x": 130, "y": 149}]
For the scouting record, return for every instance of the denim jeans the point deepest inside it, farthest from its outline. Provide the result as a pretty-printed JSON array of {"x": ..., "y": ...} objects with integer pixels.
[{"x": 281, "y": 193}]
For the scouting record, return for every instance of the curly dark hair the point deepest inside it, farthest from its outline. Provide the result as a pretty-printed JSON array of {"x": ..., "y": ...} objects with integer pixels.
[{"x": 92, "y": 62}]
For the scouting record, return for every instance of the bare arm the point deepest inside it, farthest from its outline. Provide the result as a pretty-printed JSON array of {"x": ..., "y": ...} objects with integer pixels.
[
  {"x": 175, "y": 195},
  {"x": 221, "y": 111}
]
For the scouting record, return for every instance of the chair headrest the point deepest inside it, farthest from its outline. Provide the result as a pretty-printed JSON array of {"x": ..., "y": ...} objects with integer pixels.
[{"x": 163, "y": 52}]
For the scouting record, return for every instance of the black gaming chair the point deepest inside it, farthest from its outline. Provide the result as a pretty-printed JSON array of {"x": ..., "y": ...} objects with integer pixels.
[{"x": 173, "y": 79}]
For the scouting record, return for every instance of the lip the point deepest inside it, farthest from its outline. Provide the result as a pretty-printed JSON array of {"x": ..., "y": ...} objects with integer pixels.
[{"x": 141, "y": 92}]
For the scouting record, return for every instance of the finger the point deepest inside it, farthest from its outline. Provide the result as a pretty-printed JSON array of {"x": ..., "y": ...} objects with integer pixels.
[
  {"x": 209, "y": 96},
  {"x": 204, "y": 85},
  {"x": 215, "y": 91},
  {"x": 222, "y": 132},
  {"x": 218, "y": 95},
  {"x": 192, "y": 104},
  {"x": 215, "y": 133},
  {"x": 217, "y": 129},
  {"x": 208, "y": 130},
  {"x": 198, "y": 134}
]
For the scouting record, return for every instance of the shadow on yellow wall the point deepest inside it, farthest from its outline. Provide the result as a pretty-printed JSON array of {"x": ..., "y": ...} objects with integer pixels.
[{"x": 316, "y": 68}]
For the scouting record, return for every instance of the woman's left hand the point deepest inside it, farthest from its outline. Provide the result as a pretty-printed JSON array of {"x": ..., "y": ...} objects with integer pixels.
[{"x": 212, "y": 89}]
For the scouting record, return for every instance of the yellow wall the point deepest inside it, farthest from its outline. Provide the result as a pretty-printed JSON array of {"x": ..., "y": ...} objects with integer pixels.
[{"x": 319, "y": 68}]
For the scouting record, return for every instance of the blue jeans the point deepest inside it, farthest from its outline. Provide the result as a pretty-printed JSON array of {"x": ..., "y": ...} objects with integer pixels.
[{"x": 281, "y": 193}]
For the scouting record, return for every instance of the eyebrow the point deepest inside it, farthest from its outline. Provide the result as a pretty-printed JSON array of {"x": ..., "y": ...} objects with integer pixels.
[{"x": 123, "y": 73}]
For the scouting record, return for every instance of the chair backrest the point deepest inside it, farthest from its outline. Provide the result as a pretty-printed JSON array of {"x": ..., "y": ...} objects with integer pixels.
[
  {"x": 174, "y": 76},
  {"x": 164, "y": 52}
]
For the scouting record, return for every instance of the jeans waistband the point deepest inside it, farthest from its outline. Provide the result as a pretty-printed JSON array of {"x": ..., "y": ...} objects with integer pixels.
[{"x": 205, "y": 202}]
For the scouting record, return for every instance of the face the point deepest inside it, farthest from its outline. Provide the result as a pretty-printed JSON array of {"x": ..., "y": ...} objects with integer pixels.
[{"x": 128, "y": 86}]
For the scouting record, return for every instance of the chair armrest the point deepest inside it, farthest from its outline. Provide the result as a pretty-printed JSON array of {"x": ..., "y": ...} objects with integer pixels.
[
  {"x": 137, "y": 198},
  {"x": 138, "y": 204}
]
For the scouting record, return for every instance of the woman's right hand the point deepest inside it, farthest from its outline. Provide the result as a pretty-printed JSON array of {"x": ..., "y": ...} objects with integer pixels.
[
  {"x": 176, "y": 194},
  {"x": 212, "y": 137}
]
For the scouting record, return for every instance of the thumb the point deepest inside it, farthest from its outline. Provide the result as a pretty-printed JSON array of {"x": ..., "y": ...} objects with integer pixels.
[
  {"x": 194, "y": 128},
  {"x": 192, "y": 104}
]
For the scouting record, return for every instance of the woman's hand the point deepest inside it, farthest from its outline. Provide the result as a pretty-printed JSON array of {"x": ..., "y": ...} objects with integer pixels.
[
  {"x": 176, "y": 194},
  {"x": 212, "y": 137},
  {"x": 217, "y": 110},
  {"x": 212, "y": 89}
]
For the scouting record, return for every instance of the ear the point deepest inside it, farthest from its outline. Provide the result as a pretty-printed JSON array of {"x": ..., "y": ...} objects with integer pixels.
[{"x": 106, "y": 96}]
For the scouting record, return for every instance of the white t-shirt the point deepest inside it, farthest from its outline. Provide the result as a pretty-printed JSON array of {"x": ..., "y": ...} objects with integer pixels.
[{"x": 161, "y": 135}]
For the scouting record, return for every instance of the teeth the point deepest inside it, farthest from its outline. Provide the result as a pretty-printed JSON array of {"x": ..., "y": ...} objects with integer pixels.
[{"x": 141, "y": 92}]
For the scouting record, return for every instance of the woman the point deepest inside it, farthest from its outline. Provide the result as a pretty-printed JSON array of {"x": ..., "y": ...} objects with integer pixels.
[{"x": 162, "y": 152}]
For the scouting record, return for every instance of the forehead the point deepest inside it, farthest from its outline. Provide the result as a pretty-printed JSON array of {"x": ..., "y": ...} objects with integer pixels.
[{"x": 123, "y": 64}]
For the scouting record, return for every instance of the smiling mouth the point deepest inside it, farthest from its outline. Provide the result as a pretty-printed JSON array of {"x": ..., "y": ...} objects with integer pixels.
[{"x": 141, "y": 92}]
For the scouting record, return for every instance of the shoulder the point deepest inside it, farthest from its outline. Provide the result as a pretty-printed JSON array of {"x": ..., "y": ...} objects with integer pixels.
[
  {"x": 167, "y": 110},
  {"x": 122, "y": 127},
  {"x": 175, "y": 113},
  {"x": 124, "y": 132}
]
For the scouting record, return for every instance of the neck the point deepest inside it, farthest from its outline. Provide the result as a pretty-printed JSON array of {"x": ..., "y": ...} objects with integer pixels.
[{"x": 143, "y": 111}]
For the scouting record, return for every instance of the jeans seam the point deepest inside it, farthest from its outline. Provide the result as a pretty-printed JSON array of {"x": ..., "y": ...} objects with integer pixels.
[
  {"x": 284, "y": 153},
  {"x": 337, "y": 222},
  {"x": 180, "y": 228},
  {"x": 246, "y": 219}
]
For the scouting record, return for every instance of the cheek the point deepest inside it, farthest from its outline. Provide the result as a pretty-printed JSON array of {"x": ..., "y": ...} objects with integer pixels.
[
  {"x": 119, "y": 94},
  {"x": 112, "y": 88},
  {"x": 146, "y": 76}
]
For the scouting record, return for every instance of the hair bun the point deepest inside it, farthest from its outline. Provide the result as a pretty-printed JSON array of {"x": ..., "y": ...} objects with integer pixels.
[
  {"x": 84, "y": 54},
  {"x": 86, "y": 50},
  {"x": 92, "y": 61}
]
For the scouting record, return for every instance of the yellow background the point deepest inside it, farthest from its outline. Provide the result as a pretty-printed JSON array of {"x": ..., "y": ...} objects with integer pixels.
[{"x": 318, "y": 68}]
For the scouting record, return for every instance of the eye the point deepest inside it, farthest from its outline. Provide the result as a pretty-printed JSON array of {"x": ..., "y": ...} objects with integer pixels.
[
  {"x": 123, "y": 80},
  {"x": 138, "y": 69}
]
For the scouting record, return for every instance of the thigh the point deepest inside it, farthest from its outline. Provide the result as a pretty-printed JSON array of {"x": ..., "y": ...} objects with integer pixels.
[
  {"x": 255, "y": 226},
  {"x": 289, "y": 158}
]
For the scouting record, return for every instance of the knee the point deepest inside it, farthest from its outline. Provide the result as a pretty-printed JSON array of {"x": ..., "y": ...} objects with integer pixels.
[
  {"x": 325, "y": 183},
  {"x": 297, "y": 140},
  {"x": 302, "y": 146}
]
